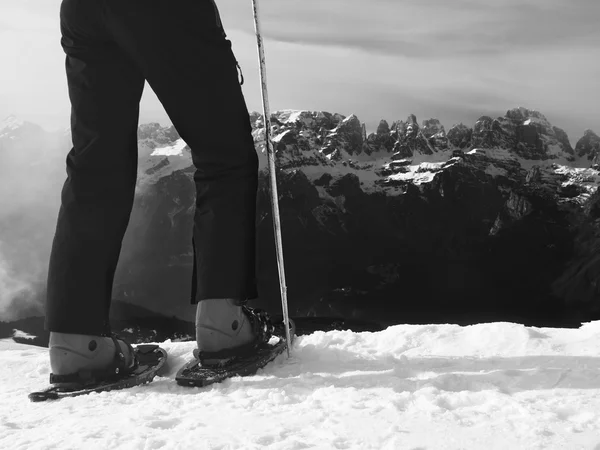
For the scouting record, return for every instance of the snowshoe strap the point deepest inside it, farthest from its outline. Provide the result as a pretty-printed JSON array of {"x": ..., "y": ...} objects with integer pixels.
[
  {"x": 262, "y": 328},
  {"x": 261, "y": 324},
  {"x": 116, "y": 369}
]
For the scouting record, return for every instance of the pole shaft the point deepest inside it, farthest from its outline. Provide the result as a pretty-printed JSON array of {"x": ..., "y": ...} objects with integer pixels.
[{"x": 273, "y": 176}]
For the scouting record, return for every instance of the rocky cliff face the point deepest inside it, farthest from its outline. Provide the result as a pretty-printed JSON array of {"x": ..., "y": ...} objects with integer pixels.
[
  {"x": 588, "y": 146},
  {"x": 411, "y": 223}
]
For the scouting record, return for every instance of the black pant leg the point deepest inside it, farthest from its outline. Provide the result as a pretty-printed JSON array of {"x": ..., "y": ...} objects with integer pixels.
[
  {"x": 104, "y": 88},
  {"x": 183, "y": 52}
]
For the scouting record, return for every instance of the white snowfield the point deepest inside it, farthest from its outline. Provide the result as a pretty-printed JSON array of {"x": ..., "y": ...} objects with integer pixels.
[{"x": 489, "y": 386}]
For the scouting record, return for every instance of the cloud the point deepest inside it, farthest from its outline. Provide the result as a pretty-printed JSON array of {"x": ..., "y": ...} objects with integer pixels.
[
  {"x": 36, "y": 17},
  {"x": 11, "y": 286},
  {"x": 20, "y": 288},
  {"x": 464, "y": 55},
  {"x": 31, "y": 174},
  {"x": 32, "y": 74},
  {"x": 429, "y": 28},
  {"x": 356, "y": 56}
]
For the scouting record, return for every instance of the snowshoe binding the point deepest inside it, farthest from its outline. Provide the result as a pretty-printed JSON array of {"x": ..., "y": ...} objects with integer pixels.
[
  {"x": 213, "y": 367},
  {"x": 148, "y": 359}
]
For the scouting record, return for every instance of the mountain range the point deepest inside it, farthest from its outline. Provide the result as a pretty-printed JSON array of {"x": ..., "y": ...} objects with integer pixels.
[{"x": 410, "y": 224}]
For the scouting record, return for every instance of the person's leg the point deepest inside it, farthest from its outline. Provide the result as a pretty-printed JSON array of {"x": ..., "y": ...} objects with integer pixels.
[
  {"x": 105, "y": 87},
  {"x": 184, "y": 54}
]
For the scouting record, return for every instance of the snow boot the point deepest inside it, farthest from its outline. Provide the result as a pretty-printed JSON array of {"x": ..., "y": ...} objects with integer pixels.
[
  {"x": 225, "y": 329},
  {"x": 79, "y": 359},
  {"x": 82, "y": 364},
  {"x": 232, "y": 341}
]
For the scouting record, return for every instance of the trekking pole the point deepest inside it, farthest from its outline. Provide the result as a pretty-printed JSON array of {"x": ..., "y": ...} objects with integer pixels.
[{"x": 273, "y": 176}]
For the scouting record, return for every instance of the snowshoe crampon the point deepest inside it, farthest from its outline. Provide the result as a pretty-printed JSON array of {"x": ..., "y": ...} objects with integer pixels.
[
  {"x": 194, "y": 373},
  {"x": 150, "y": 359}
]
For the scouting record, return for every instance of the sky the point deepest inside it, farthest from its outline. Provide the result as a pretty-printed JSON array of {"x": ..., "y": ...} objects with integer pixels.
[
  {"x": 493, "y": 386},
  {"x": 382, "y": 59}
]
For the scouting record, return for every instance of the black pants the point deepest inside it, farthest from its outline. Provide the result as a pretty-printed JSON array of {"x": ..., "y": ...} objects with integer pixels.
[{"x": 180, "y": 48}]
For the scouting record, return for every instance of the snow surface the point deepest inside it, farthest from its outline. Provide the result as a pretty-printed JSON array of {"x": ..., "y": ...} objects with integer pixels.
[
  {"x": 22, "y": 335},
  {"x": 489, "y": 386}
]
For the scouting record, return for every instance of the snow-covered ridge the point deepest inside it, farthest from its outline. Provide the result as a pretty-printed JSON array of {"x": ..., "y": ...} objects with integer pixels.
[
  {"x": 170, "y": 150},
  {"x": 317, "y": 142}
]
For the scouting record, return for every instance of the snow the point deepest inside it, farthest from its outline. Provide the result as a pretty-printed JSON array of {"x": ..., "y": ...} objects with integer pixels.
[
  {"x": 588, "y": 179},
  {"x": 172, "y": 150},
  {"x": 22, "y": 334},
  {"x": 487, "y": 386},
  {"x": 9, "y": 124},
  {"x": 291, "y": 116},
  {"x": 277, "y": 139},
  {"x": 415, "y": 175},
  {"x": 534, "y": 120},
  {"x": 420, "y": 173},
  {"x": 154, "y": 164}
]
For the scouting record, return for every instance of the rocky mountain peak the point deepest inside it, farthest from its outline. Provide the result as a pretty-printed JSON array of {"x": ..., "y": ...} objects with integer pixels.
[
  {"x": 383, "y": 128},
  {"x": 347, "y": 136},
  {"x": 154, "y": 135},
  {"x": 460, "y": 136},
  {"x": 588, "y": 146},
  {"x": 522, "y": 114},
  {"x": 10, "y": 120},
  {"x": 435, "y": 133},
  {"x": 525, "y": 133},
  {"x": 10, "y": 126},
  {"x": 433, "y": 127},
  {"x": 18, "y": 135},
  {"x": 410, "y": 139}
]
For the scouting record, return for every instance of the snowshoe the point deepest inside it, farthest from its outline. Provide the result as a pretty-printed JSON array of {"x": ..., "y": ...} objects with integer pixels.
[
  {"x": 149, "y": 359},
  {"x": 208, "y": 368}
]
